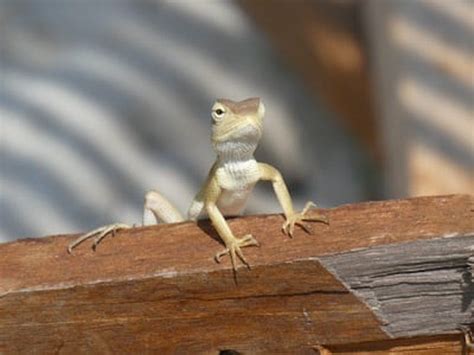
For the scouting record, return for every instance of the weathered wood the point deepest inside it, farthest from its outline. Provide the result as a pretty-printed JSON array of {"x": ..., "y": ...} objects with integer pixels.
[
  {"x": 421, "y": 287},
  {"x": 158, "y": 288}
]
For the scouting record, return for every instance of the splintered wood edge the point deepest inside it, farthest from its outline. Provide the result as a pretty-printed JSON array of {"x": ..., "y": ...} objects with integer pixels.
[
  {"x": 338, "y": 280},
  {"x": 415, "y": 288}
]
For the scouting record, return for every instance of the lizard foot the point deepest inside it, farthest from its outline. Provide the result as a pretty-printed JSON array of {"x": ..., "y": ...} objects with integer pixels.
[
  {"x": 99, "y": 234},
  {"x": 299, "y": 219},
  {"x": 233, "y": 249}
]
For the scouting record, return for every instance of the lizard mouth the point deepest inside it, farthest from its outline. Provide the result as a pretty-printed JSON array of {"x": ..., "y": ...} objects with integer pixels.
[
  {"x": 239, "y": 142},
  {"x": 247, "y": 130}
]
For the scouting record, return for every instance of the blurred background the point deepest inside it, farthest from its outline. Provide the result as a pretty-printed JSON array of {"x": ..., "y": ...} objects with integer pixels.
[{"x": 101, "y": 101}]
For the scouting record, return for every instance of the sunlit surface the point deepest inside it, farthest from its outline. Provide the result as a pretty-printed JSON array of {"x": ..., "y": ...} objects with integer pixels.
[
  {"x": 432, "y": 173},
  {"x": 445, "y": 114},
  {"x": 435, "y": 51},
  {"x": 426, "y": 70}
]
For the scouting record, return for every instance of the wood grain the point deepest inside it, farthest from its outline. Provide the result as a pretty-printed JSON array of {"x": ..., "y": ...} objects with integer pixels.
[
  {"x": 417, "y": 288},
  {"x": 443, "y": 344},
  {"x": 158, "y": 288}
]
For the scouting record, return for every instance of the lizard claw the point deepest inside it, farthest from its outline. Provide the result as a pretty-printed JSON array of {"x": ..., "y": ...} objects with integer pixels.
[
  {"x": 233, "y": 249},
  {"x": 99, "y": 234},
  {"x": 288, "y": 226}
]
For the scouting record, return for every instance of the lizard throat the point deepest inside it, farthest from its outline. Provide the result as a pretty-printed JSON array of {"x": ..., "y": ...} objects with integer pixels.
[{"x": 235, "y": 150}]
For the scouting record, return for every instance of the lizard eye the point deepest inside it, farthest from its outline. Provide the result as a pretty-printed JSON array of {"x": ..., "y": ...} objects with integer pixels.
[{"x": 218, "y": 114}]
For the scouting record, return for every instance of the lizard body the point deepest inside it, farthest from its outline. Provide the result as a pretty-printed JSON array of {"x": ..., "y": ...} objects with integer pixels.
[{"x": 236, "y": 132}]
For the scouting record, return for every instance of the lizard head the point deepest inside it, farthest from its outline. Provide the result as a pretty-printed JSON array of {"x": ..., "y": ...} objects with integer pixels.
[{"x": 237, "y": 125}]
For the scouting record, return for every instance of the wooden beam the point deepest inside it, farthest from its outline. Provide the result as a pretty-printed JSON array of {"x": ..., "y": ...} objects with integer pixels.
[
  {"x": 158, "y": 288},
  {"x": 453, "y": 344}
]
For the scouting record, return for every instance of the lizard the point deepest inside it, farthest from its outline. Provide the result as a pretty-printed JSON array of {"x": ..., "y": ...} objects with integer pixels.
[{"x": 236, "y": 131}]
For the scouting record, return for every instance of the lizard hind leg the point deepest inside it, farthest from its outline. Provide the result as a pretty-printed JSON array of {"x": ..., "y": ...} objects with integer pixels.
[
  {"x": 99, "y": 234},
  {"x": 158, "y": 208}
]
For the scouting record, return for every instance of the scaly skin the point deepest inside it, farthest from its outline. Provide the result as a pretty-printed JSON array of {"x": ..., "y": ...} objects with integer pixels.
[{"x": 236, "y": 131}]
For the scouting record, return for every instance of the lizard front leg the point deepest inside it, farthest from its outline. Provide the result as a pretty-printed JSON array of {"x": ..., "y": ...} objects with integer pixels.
[
  {"x": 233, "y": 244},
  {"x": 269, "y": 173}
]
